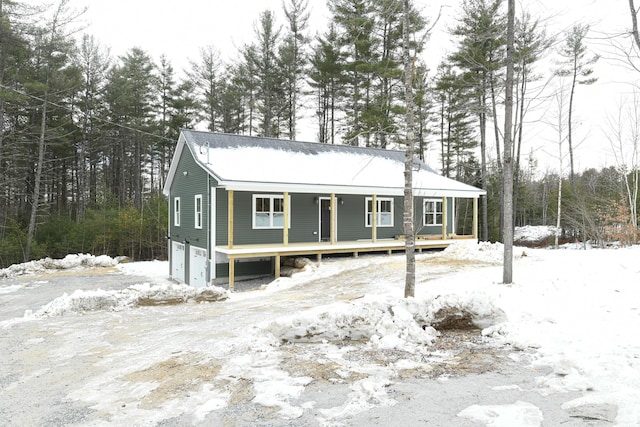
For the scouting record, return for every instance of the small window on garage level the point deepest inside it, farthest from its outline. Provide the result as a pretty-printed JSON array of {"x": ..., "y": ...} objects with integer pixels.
[
  {"x": 176, "y": 211},
  {"x": 198, "y": 211}
]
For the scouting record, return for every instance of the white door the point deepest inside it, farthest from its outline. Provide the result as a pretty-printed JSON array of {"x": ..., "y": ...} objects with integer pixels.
[
  {"x": 197, "y": 267},
  {"x": 177, "y": 261}
]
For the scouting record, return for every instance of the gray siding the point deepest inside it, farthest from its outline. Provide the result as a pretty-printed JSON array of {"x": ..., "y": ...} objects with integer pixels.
[
  {"x": 305, "y": 221},
  {"x": 186, "y": 187}
]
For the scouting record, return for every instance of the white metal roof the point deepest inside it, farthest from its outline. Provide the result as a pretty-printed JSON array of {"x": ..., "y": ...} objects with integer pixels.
[{"x": 246, "y": 163}]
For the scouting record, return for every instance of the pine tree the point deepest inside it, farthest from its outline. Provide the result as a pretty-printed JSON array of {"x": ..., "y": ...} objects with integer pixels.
[
  {"x": 325, "y": 77},
  {"x": 480, "y": 53},
  {"x": 262, "y": 63},
  {"x": 206, "y": 78},
  {"x": 293, "y": 59},
  {"x": 576, "y": 66}
]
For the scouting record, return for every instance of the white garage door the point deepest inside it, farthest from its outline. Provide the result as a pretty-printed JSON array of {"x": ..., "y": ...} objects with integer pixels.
[
  {"x": 177, "y": 261},
  {"x": 197, "y": 267}
]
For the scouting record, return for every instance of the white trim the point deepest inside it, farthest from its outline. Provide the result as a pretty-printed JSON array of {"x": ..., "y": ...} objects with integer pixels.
[
  {"x": 435, "y": 212},
  {"x": 271, "y": 212},
  {"x": 177, "y": 207},
  {"x": 281, "y": 187},
  {"x": 197, "y": 215},
  {"x": 212, "y": 233},
  {"x": 379, "y": 200}
]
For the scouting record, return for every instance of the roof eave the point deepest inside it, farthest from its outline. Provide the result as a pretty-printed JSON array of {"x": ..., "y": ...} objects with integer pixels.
[{"x": 281, "y": 187}]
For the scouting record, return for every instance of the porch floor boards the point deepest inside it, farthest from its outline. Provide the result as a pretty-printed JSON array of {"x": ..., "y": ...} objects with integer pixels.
[{"x": 321, "y": 248}]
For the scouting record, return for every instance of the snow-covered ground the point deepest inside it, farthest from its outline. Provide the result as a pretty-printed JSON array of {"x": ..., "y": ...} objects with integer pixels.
[{"x": 334, "y": 344}]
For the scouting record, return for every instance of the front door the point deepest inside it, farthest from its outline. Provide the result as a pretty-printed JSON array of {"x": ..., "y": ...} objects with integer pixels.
[{"x": 325, "y": 219}]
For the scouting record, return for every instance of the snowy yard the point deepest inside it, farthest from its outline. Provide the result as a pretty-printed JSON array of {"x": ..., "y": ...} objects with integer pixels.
[{"x": 335, "y": 345}]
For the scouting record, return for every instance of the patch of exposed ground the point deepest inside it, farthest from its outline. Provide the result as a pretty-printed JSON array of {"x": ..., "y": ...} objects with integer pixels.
[
  {"x": 456, "y": 352},
  {"x": 82, "y": 271},
  {"x": 175, "y": 377}
]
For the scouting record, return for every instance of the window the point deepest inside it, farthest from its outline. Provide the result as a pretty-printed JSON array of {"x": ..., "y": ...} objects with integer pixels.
[
  {"x": 198, "y": 211},
  {"x": 268, "y": 211},
  {"x": 432, "y": 212},
  {"x": 384, "y": 212},
  {"x": 176, "y": 211}
]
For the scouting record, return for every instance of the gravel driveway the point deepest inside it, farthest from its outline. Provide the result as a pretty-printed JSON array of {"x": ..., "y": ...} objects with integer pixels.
[{"x": 163, "y": 366}]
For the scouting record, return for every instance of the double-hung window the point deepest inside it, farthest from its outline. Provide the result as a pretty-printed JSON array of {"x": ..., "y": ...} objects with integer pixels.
[
  {"x": 432, "y": 212},
  {"x": 176, "y": 211},
  {"x": 197, "y": 221},
  {"x": 268, "y": 211},
  {"x": 384, "y": 212}
]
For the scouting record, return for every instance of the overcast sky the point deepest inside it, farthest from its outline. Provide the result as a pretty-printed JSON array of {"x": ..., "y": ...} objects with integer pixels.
[{"x": 179, "y": 29}]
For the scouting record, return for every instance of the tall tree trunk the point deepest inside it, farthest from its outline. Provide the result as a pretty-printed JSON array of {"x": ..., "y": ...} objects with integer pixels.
[
  {"x": 507, "y": 275},
  {"x": 407, "y": 218},
  {"x": 483, "y": 167},
  {"x": 35, "y": 198},
  {"x": 569, "y": 124}
]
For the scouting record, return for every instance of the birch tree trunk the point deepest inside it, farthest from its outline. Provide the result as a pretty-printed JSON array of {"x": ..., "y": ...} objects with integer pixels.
[{"x": 407, "y": 218}]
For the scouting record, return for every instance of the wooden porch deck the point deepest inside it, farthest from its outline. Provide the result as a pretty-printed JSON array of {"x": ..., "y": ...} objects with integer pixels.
[{"x": 321, "y": 248}]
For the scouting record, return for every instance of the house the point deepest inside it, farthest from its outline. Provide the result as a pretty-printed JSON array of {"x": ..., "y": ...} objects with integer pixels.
[{"x": 230, "y": 197}]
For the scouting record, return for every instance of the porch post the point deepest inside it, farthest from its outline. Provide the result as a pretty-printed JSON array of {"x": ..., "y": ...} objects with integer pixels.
[
  {"x": 277, "y": 266},
  {"x": 332, "y": 220},
  {"x": 445, "y": 215},
  {"x": 230, "y": 219},
  {"x": 475, "y": 218},
  {"x": 232, "y": 272},
  {"x": 374, "y": 218},
  {"x": 285, "y": 227}
]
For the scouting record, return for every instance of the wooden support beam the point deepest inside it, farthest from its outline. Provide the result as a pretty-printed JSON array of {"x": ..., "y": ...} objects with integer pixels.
[
  {"x": 285, "y": 226},
  {"x": 277, "y": 266},
  {"x": 333, "y": 218},
  {"x": 445, "y": 214},
  {"x": 230, "y": 219},
  {"x": 374, "y": 218},
  {"x": 232, "y": 272},
  {"x": 475, "y": 218}
]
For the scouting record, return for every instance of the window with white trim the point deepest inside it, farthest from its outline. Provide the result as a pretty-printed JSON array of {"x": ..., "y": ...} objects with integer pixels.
[
  {"x": 268, "y": 211},
  {"x": 432, "y": 212},
  {"x": 176, "y": 211},
  {"x": 384, "y": 211},
  {"x": 197, "y": 202}
]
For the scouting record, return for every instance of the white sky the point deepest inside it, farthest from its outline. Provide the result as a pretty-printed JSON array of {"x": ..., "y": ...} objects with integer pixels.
[{"x": 179, "y": 30}]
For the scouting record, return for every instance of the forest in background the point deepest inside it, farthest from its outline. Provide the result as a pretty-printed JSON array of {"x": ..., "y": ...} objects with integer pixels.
[{"x": 86, "y": 139}]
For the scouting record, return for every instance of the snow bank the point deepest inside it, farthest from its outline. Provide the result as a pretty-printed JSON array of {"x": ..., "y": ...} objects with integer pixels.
[
  {"x": 47, "y": 265},
  {"x": 137, "y": 295},
  {"x": 386, "y": 323},
  {"x": 531, "y": 233},
  {"x": 471, "y": 250}
]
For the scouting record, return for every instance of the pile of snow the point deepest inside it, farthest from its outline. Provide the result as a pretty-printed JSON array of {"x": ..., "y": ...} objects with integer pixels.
[
  {"x": 385, "y": 322},
  {"x": 471, "y": 250},
  {"x": 47, "y": 265},
  {"x": 137, "y": 295},
  {"x": 531, "y": 233}
]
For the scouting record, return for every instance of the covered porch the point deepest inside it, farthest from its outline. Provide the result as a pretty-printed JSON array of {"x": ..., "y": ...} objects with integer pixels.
[
  {"x": 285, "y": 248},
  {"x": 317, "y": 250}
]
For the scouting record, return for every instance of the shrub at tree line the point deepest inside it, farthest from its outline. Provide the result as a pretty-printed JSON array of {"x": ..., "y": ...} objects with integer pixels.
[{"x": 136, "y": 233}]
